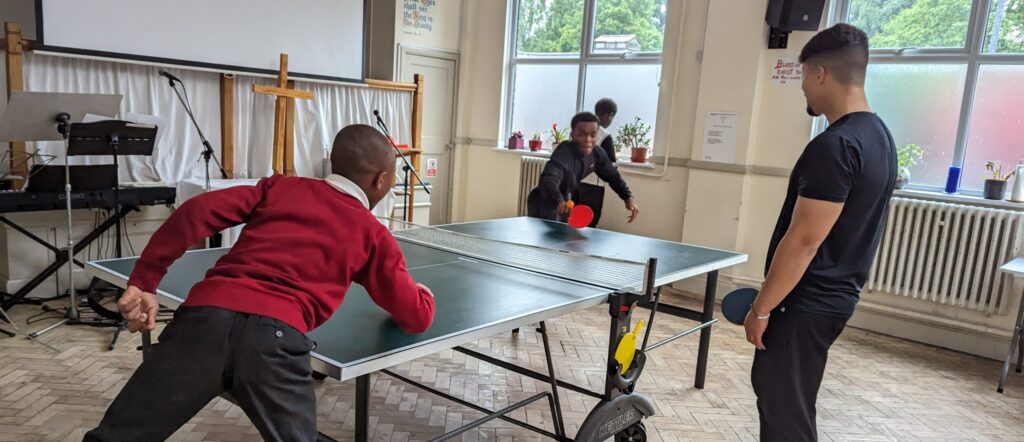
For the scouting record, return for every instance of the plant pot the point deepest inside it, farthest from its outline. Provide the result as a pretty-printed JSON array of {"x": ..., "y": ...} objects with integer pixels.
[
  {"x": 638, "y": 155},
  {"x": 995, "y": 189},
  {"x": 902, "y": 177},
  {"x": 515, "y": 143},
  {"x": 536, "y": 145}
]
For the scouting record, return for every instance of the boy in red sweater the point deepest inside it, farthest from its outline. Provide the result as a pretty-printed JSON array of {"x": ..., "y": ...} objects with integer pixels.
[{"x": 242, "y": 329}]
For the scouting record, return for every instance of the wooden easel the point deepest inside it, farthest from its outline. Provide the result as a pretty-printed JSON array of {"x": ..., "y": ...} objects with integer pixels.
[{"x": 284, "y": 117}]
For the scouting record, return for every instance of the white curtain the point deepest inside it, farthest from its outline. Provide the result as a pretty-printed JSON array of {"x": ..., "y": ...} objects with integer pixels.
[
  {"x": 317, "y": 121},
  {"x": 177, "y": 153}
]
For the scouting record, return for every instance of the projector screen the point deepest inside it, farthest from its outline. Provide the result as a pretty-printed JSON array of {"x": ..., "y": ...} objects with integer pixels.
[{"x": 323, "y": 38}]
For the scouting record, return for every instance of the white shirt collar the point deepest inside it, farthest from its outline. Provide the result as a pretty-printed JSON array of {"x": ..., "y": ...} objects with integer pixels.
[{"x": 346, "y": 186}]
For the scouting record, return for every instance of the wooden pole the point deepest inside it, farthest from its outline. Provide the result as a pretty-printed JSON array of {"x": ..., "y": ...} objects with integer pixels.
[
  {"x": 289, "y": 134},
  {"x": 227, "y": 124},
  {"x": 417, "y": 135},
  {"x": 280, "y": 111},
  {"x": 15, "y": 83}
]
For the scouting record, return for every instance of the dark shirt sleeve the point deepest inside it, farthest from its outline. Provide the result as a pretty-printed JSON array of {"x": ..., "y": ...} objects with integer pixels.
[
  {"x": 609, "y": 148},
  {"x": 607, "y": 171},
  {"x": 830, "y": 167},
  {"x": 551, "y": 179}
]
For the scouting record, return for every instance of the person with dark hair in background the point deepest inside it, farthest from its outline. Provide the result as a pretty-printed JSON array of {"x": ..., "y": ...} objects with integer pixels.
[
  {"x": 825, "y": 239},
  {"x": 605, "y": 109},
  {"x": 591, "y": 190},
  {"x": 570, "y": 163}
]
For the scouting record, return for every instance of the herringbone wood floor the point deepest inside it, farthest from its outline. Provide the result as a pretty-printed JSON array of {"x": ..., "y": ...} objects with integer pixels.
[{"x": 876, "y": 388}]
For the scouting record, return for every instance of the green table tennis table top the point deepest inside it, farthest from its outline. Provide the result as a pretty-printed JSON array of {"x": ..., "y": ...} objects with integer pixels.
[{"x": 474, "y": 299}]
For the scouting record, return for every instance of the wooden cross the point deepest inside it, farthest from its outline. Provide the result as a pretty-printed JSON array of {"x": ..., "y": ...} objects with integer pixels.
[{"x": 284, "y": 117}]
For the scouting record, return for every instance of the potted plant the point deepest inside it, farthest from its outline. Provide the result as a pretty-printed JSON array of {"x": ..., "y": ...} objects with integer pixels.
[
  {"x": 515, "y": 142},
  {"x": 635, "y": 136},
  {"x": 995, "y": 181},
  {"x": 536, "y": 143},
  {"x": 558, "y": 135},
  {"x": 906, "y": 157}
]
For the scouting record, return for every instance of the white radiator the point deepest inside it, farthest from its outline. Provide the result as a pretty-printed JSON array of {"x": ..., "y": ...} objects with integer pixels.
[
  {"x": 947, "y": 253},
  {"x": 529, "y": 175}
]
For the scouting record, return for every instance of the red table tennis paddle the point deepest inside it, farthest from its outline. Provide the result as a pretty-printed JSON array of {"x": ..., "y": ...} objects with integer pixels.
[{"x": 581, "y": 216}]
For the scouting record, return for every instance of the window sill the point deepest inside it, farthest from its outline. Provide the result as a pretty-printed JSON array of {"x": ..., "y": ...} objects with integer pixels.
[
  {"x": 545, "y": 153},
  {"x": 521, "y": 152},
  {"x": 959, "y": 199}
]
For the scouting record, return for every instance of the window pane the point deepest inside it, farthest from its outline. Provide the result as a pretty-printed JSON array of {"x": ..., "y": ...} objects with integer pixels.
[
  {"x": 1004, "y": 32},
  {"x": 921, "y": 105},
  {"x": 997, "y": 123},
  {"x": 634, "y": 89},
  {"x": 543, "y": 94},
  {"x": 549, "y": 27},
  {"x": 629, "y": 26},
  {"x": 895, "y": 24}
]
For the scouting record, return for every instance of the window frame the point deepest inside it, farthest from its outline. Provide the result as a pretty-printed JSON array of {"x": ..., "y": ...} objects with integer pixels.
[
  {"x": 972, "y": 55},
  {"x": 586, "y": 57}
]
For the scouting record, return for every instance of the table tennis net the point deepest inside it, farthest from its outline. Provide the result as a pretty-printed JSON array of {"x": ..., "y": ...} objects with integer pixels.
[{"x": 605, "y": 272}]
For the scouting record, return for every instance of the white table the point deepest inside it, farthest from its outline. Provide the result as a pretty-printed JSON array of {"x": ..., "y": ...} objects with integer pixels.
[{"x": 1015, "y": 268}]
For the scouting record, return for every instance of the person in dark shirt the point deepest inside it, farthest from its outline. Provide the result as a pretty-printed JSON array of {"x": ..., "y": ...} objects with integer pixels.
[
  {"x": 570, "y": 163},
  {"x": 591, "y": 191},
  {"x": 605, "y": 109},
  {"x": 825, "y": 239}
]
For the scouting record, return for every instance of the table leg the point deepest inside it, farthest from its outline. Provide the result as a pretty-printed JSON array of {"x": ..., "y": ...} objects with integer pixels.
[
  {"x": 363, "y": 408},
  {"x": 707, "y": 314},
  {"x": 1013, "y": 346}
]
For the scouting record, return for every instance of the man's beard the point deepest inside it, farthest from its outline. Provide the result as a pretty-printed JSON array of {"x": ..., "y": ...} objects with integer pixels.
[{"x": 812, "y": 112}]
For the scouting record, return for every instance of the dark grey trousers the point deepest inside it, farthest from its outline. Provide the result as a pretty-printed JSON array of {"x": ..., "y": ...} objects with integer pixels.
[{"x": 262, "y": 363}]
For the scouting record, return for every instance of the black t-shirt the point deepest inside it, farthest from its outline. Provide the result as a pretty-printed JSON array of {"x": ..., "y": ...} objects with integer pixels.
[{"x": 852, "y": 162}]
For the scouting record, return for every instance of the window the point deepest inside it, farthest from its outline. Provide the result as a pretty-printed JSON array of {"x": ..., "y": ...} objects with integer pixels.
[
  {"x": 567, "y": 54},
  {"x": 947, "y": 75}
]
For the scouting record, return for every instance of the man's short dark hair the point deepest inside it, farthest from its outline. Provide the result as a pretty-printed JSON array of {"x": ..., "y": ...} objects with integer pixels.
[
  {"x": 842, "y": 49},
  {"x": 606, "y": 106},
  {"x": 583, "y": 117}
]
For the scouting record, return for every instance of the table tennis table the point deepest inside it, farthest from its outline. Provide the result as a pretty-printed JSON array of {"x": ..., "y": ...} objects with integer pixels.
[{"x": 490, "y": 277}]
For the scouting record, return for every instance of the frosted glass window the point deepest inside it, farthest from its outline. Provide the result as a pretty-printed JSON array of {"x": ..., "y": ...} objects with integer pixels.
[
  {"x": 543, "y": 94},
  {"x": 920, "y": 103},
  {"x": 633, "y": 87},
  {"x": 996, "y": 131}
]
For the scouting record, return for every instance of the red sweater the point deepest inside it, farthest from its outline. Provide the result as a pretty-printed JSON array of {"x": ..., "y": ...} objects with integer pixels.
[{"x": 303, "y": 244}]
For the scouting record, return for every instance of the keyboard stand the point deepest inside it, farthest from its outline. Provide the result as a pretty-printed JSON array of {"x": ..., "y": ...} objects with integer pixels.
[{"x": 19, "y": 297}]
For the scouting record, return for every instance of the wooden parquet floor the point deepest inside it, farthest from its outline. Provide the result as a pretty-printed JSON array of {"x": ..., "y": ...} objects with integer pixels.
[{"x": 876, "y": 388}]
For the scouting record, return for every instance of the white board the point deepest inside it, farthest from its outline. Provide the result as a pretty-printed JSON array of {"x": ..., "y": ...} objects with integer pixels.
[{"x": 323, "y": 38}]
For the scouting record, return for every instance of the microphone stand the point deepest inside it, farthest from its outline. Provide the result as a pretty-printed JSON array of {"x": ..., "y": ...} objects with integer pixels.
[
  {"x": 406, "y": 168},
  {"x": 207, "y": 153}
]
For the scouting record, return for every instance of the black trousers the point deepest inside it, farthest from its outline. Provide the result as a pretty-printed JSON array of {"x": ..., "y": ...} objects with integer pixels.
[
  {"x": 787, "y": 374},
  {"x": 592, "y": 196},
  {"x": 262, "y": 363}
]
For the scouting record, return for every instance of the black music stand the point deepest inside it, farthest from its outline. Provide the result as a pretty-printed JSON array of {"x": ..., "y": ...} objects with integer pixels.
[
  {"x": 115, "y": 138},
  {"x": 100, "y": 138}
]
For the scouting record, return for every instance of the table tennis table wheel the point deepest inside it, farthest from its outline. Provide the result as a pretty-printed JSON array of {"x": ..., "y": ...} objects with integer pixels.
[{"x": 635, "y": 433}]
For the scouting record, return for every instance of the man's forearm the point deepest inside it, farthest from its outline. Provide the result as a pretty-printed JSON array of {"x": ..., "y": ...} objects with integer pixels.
[{"x": 789, "y": 265}]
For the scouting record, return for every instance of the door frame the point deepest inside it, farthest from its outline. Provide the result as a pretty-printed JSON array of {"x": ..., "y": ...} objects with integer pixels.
[{"x": 453, "y": 56}]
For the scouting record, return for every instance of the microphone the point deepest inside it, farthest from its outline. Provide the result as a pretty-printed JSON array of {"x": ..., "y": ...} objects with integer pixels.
[
  {"x": 170, "y": 77},
  {"x": 380, "y": 121}
]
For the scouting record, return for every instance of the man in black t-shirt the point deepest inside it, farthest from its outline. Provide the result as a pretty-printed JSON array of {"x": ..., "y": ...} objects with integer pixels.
[{"x": 825, "y": 239}]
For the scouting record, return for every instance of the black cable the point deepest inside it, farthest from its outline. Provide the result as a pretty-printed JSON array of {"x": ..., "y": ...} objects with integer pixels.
[{"x": 127, "y": 237}]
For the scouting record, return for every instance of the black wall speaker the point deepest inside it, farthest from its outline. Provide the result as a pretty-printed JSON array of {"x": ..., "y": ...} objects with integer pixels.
[{"x": 784, "y": 16}]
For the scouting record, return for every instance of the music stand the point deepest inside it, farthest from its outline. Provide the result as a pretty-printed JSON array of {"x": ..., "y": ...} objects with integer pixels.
[{"x": 46, "y": 116}]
